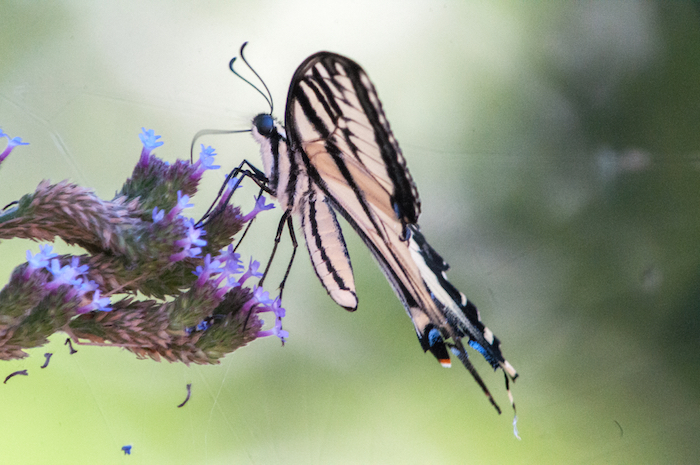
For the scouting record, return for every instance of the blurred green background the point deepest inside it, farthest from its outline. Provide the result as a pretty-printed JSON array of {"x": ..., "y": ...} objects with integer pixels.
[{"x": 556, "y": 148}]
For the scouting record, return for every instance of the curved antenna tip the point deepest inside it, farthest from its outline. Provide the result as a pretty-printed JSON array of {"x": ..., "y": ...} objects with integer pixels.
[{"x": 268, "y": 97}]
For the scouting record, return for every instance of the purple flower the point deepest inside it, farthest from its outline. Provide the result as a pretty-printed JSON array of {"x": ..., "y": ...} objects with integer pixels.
[
  {"x": 277, "y": 307},
  {"x": 83, "y": 287},
  {"x": 213, "y": 267},
  {"x": 231, "y": 265},
  {"x": 279, "y": 332},
  {"x": 231, "y": 185},
  {"x": 150, "y": 140},
  {"x": 206, "y": 156},
  {"x": 75, "y": 264},
  {"x": 231, "y": 260},
  {"x": 253, "y": 301},
  {"x": 270, "y": 305},
  {"x": 61, "y": 275},
  {"x": 275, "y": 331},
  {"x": 205, "y": 162},
  {"x": 203, "y": 325},
  {"x": 158, "y": 214},
  {"x": 210, "y": 267},
  {"x": 192, "y": 239},
  {"x": 252, "y": 271},
  {"x": 183, "y": 201},
  {"x": 262, "y": 296},
  {"x": 97, "y": 304},
  {"x": 40, "y": 260},
  {"x": 10, "y": 145},
  {"x": 259, "y": 207}
]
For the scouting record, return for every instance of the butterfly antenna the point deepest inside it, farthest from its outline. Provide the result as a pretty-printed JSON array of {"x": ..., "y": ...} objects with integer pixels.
[{"x": 268, "y": 97}]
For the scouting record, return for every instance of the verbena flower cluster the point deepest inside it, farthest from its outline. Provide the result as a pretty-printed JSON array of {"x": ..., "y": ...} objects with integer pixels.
[{"x": 199, "y": 304}]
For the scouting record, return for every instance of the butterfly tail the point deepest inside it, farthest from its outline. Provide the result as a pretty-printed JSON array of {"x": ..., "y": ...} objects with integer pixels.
[{"x": 460, "y": 316}]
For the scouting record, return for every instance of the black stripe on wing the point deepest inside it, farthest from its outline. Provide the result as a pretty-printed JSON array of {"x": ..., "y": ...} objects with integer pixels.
[
  {"x": 322, "y": 74},
  {"x": 337, "y": 155}
]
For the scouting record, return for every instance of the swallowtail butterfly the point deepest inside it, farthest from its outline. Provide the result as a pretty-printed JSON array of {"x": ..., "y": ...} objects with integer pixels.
[{"x": 336, "y": 153}]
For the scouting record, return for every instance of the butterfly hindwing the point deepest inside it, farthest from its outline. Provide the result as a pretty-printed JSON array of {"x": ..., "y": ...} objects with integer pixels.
[{"x": 326, "y": 246}]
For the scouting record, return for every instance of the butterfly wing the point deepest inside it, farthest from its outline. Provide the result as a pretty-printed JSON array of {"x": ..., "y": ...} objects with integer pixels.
[
  {"x": 336, "y": 101},
  {"x": 335, "y": 120},
  {"x": 326, "y": 246}
]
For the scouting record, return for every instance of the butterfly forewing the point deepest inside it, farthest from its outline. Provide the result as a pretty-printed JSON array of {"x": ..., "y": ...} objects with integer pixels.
[{"x": 332, "y": 101}]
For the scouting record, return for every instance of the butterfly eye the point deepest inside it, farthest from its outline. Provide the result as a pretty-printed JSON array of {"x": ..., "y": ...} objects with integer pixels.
[{"x": 264, "y": 124}]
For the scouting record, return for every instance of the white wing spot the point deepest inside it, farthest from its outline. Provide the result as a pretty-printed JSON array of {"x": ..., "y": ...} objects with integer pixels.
[{"x": 488, "y": 335}]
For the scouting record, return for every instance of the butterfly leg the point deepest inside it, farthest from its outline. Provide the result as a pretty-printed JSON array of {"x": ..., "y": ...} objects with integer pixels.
[
  {"x": 245, "y": 231},
  {"x": 251, "y": 172},
  {"x": 286, "y": 220},
  {"x": 293, "y": 237}
]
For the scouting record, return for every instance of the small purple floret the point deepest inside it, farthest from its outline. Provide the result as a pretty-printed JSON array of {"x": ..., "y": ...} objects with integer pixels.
[
  {"x": 14, "y": 142},
  {"x": 40, "y": 260},
  {"x": 61, "y": 275},
  {"x": 252, "y": 271},
  {"x": 205, "y": 162},
  {"x": 210, "y": 267},
  {"x": 192, "y": 239},
  {"x": 231, "y": 260},
  {"x": 206, "y": 156},
  {"x": 158, "y": 214},
  {"x": 275, "y": 331},
  {"x": 98, "y": 304},
  {"x": 259, "y": 207},
  {"x": 150, "y": 142},
  {"x": 183, "y": 201}
]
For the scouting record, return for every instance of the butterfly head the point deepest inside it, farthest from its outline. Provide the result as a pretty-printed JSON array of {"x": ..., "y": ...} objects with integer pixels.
[
  {"x": 265, "y": 124},
  {"x": 266, "y": 127}
]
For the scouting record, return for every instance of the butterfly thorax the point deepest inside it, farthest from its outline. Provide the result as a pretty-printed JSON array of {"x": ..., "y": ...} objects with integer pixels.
[{"x": 285, "y": 178}]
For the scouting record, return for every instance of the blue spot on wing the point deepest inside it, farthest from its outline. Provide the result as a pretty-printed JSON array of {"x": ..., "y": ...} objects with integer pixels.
[
  {"x": 434, "y": 336},
  {"x": 487, "y": 355}
]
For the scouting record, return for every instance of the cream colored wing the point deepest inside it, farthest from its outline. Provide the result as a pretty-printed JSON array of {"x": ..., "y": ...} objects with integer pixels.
[
  {"x": 329, "y": 255},
  {"x": 336, "y": 128}
]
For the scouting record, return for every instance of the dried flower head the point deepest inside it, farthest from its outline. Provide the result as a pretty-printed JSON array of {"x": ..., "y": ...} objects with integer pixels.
[{"x": 138, "y": 244}]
